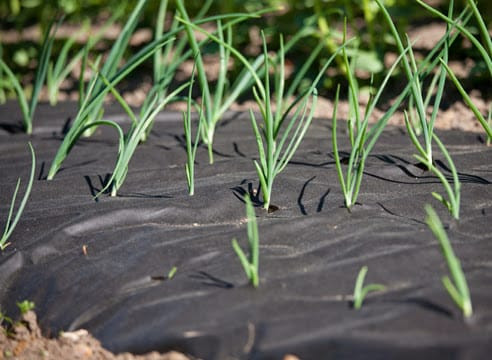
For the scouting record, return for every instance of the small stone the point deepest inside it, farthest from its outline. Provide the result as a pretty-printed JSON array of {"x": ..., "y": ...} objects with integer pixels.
[
  {"x": 74, "y": 335},
  {"x": 291, "y": 357},
  {"x": 82, "y": 351}
]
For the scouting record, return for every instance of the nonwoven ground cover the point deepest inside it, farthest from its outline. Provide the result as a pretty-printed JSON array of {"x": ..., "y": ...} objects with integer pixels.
[{"x": 103, "y": 265}]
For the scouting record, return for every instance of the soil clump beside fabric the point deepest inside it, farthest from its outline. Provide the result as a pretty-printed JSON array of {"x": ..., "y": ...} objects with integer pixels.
[{"x": 25, "y": 342}]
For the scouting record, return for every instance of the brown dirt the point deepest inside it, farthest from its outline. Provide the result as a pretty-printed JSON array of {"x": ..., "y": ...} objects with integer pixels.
[{"x": 25, "y": 342}]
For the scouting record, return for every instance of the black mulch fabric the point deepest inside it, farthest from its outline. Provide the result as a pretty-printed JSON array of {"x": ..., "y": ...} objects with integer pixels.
[{"x": 311, "y": 248}]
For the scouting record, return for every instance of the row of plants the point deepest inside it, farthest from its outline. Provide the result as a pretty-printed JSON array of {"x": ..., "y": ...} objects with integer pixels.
[
  {"x": 457, "y": 288},
  {"x": 286, "y": 107}
]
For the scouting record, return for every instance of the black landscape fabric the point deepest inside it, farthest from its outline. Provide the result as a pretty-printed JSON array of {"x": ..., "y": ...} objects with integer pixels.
[{"x": 102, "y": 265}]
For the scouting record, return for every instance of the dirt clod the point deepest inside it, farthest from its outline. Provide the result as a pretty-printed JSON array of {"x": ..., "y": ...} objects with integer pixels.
[{"x": 25, "y": 342}]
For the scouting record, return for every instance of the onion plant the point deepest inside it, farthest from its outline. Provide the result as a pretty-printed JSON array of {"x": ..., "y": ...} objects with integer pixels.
[
  {"x": 362, "y": 140},
  {"x": 93, "y": 100},
  {"x": 28, "y": 108},
  {"x": 217, "y": 103},
  {"x": 486, "y": 124},
  {"x": 11, "y": 219},
  {"x": 273, "y": 157},
  {"x": 485, "y": 51},
  {"x": 191, "y": 146},
  {"x": 5, "y": 84},
  {"x": 62, "y": 66},
  {"x": 129, "y": 142},
  {"x": 168, "y": 58},
  {"x": 172, "y": 273},
  {"x": 424, "y": 125},
  {"x": 111, "y": 64},
  {"x": 452, "y": 203},
  {"x": 281, "y": 142},
  {"x": 360, "y": 291},
  {"x": 250, "y": 266},
  {"x": 458, "y": 287}
]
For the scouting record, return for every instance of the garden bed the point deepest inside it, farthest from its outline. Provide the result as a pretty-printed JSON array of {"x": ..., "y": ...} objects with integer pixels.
[{"x": 103, "y": 265}]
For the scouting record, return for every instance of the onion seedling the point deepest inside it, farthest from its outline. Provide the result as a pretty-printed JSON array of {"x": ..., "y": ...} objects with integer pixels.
[
  {"x": 28, "y": 109},
  {"x": 362, "y": 140},
  {"x": 452, "y": 203},
  {"x": 168, "y": 58},
  {"x": 94, "y": 99},
  {"x": 360, "y": 291},
  {"x": 59, "y": 69},
  {"x": 273, "y": 156},
  {"x": 12, "y": 222},
  {"x": 172, "y": 272},
  {"x": 423, "y": 125},
  {"x": 130, "y": 141},
  {"x": 191, "y": 147},
  {"x": 111, "y": 63},
  {"x": 216, "y": 104},
  {"x": 486, "y": 124},
  {"x": 458, "y": 291},
  {"x": 485, "y": 52},
  {"x": 250, "y": 266},
  {"x": 272, "y": 159}
]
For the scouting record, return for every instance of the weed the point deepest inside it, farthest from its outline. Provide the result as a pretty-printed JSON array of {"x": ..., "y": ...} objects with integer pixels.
[{"x": 25, "y": 306}]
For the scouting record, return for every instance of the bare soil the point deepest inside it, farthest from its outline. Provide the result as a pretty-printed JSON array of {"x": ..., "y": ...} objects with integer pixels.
[{"x": 25, "y": 342}]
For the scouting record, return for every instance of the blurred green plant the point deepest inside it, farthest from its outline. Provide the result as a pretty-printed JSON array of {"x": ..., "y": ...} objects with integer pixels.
[
  {"x": 484, "y": 47},
  {"x": 28, "y": 109},
  {"x": 322, "y": 16},
  {"x": 25, "y": 306}
]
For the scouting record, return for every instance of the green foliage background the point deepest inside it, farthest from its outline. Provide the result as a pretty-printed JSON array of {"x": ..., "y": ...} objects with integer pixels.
[{"x": 363, "y": 17}]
